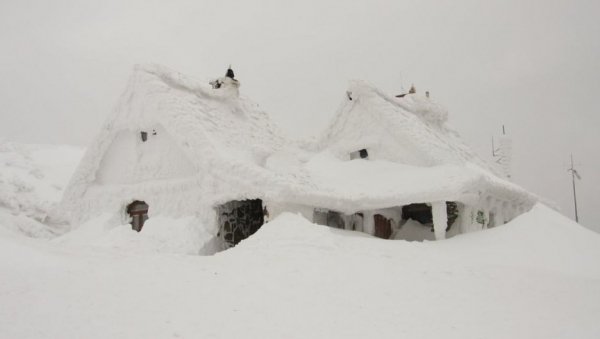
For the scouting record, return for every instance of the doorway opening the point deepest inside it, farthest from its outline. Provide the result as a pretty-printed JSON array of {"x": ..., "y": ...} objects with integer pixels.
[
  {"x": 329, "y": 218},
  {"x": 383, "y": 226},
  {"x": 239, "y": 219}
]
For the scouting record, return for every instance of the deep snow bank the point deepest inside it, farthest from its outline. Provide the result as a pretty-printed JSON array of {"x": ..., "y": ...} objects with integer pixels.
[
  {"x": 541, "y": 238},
  {"x": 536, "y": 277},
  {"x": 32, "y": 179},
  {"x": 161, "y": 234}
]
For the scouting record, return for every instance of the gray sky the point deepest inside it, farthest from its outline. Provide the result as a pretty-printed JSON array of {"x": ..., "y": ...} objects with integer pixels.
[{"x": 529, "y": 64}]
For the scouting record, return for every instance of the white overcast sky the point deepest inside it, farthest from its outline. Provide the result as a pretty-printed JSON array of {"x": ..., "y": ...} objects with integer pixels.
[{"x": 531, "y": 65}]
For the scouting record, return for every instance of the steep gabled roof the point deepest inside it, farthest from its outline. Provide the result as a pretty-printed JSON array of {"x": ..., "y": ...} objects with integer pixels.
[
  {"x": 420, "y": 158},
  {"x": 228, "y": 139},
  {"x": 414, "y": 122},
  {"x": 216, "y": 129}
]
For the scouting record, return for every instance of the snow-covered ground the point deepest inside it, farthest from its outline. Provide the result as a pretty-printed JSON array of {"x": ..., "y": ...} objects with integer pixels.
[{"x": 536, "y": 277}]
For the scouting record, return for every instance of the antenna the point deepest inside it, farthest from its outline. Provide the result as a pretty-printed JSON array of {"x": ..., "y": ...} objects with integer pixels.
[
  {"x": 574, "y": 175},
  {"x": 502, "y": 154},
  {"x": 401, "y": 83}
]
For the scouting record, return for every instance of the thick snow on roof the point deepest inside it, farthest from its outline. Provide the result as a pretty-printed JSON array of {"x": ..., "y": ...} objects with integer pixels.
[
  {"x": 216, "y": 129},
  {"x": 354, "y": 185},
  {"x": 416, "y": 125},
  {"x": 204, "y": 118},
  {"x": 414, "y": 156}
]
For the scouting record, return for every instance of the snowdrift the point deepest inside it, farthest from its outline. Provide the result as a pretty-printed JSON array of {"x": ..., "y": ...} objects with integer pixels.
[
  {"x": 536, "y": 277},
  {"x": 32, "y": 179}
]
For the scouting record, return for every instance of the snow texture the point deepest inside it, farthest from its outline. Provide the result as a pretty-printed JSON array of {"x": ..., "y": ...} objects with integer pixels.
[
  {"x": 536, "y": 277},
  {"x": 185, "y": 147},
  {"x": 203, "y": 145},
  {"x": 32, "y": 180}
]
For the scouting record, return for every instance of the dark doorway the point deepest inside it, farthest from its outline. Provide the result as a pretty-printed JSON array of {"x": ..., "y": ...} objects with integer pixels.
[
  {"x": 329, "y": 218},
  {"x": 383, "y": 226},
  {"x": 335, "y": 220},
  {"x": 418, "y": 212},
  {"x": 239, "y": 219},
  {"x": 422, "y": 213},
  {"x": 138, "y": 211}
]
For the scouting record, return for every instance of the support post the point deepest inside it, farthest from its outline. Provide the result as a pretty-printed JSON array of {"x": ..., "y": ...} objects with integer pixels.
[
  {"x": 440, "y": 219},
  {"x": 368, "y": 222}
]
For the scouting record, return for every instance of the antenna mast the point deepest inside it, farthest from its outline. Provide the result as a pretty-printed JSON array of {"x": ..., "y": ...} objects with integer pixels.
[{"x": 574, "y": 175}]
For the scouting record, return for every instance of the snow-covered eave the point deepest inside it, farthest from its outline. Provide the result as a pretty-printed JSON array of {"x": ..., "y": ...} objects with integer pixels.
[
  {"x": 472, "y": 189},
  {"x": 350, "y": 205}
]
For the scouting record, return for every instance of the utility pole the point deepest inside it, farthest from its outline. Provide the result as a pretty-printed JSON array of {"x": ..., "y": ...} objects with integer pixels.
[{"x": 574, "y": 174}]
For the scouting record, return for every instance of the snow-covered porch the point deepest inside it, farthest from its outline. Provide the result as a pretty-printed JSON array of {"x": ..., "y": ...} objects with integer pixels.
[
  {"x": 397, "y": 201},
  {"x": 414, "y": 222}
]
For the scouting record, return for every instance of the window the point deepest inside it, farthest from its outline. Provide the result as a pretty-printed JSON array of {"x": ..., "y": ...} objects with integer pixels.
[
  {"x": 138, "y": 211},
  {"x": 362, "y": 154},
  {"x": 144, "y": 136}
]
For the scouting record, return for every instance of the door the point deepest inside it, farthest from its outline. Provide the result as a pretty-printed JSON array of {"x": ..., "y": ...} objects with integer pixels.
[{"x": 383, "y": 227}]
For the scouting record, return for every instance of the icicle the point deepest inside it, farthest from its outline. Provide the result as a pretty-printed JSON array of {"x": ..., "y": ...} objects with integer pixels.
[
  {"x": 368, "y": 223},
  {"x": 440, "y": 219}
]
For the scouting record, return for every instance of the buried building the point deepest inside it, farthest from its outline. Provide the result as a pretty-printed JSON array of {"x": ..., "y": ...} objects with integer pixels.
[
  {"x": 178, "y": 148},
  {"x": 391, "y": 167}
]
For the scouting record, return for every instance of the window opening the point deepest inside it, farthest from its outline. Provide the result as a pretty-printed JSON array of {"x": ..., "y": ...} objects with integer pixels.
[
  {"x": 361, "y": 154},
  {"x": 138, "y": 211}
]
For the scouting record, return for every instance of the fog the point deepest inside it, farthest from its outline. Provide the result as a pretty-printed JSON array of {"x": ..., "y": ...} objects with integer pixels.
[{"x": 532, "y": 66}]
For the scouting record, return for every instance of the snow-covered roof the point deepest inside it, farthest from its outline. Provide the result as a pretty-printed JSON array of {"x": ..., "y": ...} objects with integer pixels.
[
  {"x": 218, "y": 130},
  {"x": 354, "y": 185},
  {"x": 413, "y": 155},
  {"x": 203, "y": 119},
  {"x": 414, "y": 125}
]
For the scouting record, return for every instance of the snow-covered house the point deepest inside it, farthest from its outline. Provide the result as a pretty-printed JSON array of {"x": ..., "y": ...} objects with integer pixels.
[
  {"x": 391, "y": 167},
  {"x": 387, "y": 166},
  {"x": 173, "y": 147}
]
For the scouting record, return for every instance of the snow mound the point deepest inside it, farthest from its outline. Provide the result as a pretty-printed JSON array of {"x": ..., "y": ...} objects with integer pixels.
[
  {"x": 32, "y": 179},
  {"x": 536, "y": 277},
  {"x": 541, "y": 239},
  {"x": 161, "y": 234}
]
